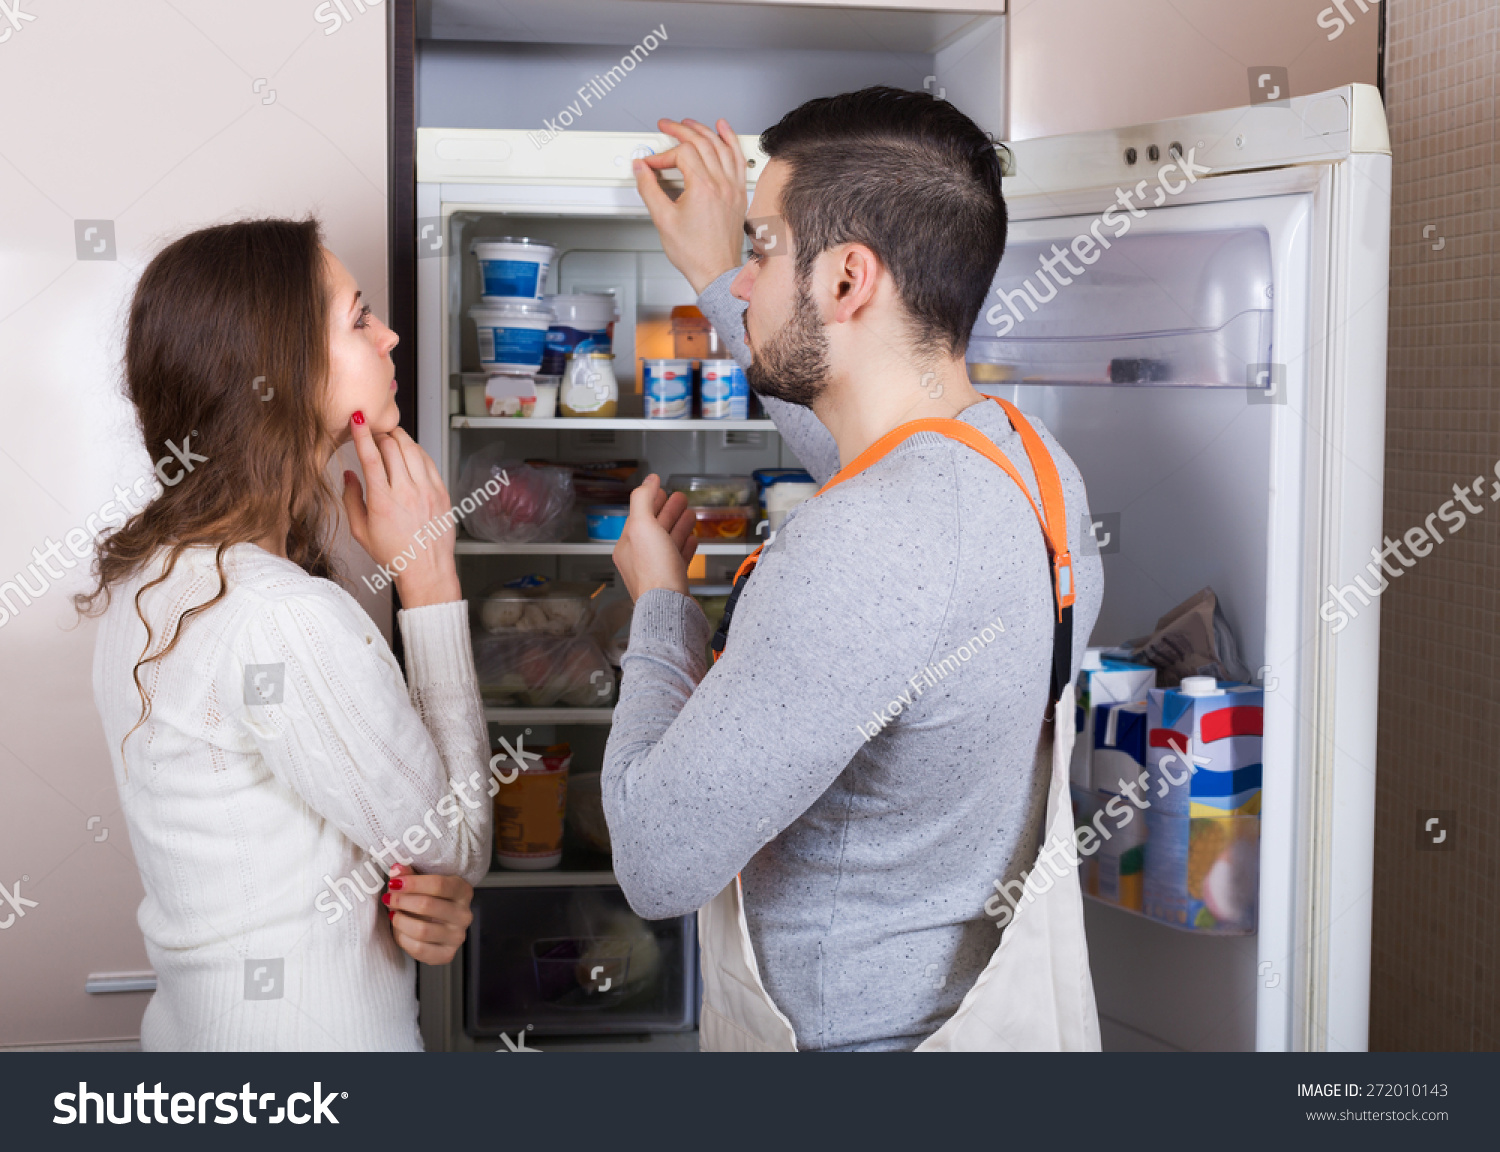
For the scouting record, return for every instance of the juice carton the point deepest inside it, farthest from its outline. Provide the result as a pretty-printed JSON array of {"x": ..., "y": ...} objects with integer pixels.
[
  {"x": 1103, "y": 680},
  {"x": 1202, "y": 860},
  {"x": 1203, "y": 756}
]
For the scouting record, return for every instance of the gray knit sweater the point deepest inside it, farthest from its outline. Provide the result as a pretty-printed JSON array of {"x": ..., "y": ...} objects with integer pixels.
[{"x": 863, "y": 753}]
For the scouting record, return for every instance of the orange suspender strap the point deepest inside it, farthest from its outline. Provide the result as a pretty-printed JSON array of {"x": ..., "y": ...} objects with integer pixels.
[{"x": 1051, "y": 515}]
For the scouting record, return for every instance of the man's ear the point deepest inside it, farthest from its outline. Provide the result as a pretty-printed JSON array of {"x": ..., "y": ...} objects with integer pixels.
[{"x": 857, "y": 277}]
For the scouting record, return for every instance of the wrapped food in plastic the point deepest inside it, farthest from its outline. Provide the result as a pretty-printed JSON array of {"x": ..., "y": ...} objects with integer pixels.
[
  {"x": 533, "y": 670},
  {"x": 519, "y": 503},
  {"x": 537, "y": 604}
]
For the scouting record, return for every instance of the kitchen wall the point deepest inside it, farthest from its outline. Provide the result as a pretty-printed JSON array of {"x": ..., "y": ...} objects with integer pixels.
[
  {"x": 1436, "y": 977},
  {"x": 1077, "y": 65},
  {"x": 127, "y": 125}
]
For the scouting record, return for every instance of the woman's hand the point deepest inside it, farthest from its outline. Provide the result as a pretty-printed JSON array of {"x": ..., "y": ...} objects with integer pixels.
[
  {"x": 703, "y": 230},
  {"x": 657, "y": 542},
  {"x": 396, "y": 518},
  {"x": 429, "y": 914}
]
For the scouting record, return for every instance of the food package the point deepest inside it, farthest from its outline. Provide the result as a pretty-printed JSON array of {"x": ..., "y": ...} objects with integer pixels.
[
  {"x": 1203, "y": 873},
  {"x": 1103, "y": 680},
  {"x": 1202, "y": 866},
  {"x": 533, "y": 502},
  {"x": 599, "y": 481},
  {"x": 540, "y": 605},
  {"x": 537, "y": 671},
  {"x": 586, "y": 812},
  {"x": 1192, "y": 639}
]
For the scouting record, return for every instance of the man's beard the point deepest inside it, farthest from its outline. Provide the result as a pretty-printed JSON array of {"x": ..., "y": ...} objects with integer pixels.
[{"x": 793, "y": 364}]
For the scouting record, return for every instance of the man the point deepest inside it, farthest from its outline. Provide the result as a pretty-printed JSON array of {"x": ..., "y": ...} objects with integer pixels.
[{"x": 867, "y": 805}]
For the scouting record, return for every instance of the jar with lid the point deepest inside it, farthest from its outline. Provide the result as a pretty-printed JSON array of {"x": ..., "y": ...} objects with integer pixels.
[{"x": 589, "y": 387}]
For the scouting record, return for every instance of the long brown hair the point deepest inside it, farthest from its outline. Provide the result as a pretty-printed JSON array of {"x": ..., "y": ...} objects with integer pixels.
[{"x": 227, "y": 345}]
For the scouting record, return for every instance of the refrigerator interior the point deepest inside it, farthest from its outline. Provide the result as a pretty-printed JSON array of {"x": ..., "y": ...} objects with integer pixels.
[{"x": 1185, "y": 468}]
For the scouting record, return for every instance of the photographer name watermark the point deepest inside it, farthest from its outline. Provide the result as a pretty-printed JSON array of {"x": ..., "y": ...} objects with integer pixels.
[
  {"x": 428, "y": 533},
  {"x": 930, "y": 675}
]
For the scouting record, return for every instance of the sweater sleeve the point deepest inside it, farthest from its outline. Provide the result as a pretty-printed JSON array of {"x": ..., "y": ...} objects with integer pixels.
[
  {"x": 704, "y": 766},
  {"x": 803, "y": 432},
  {"x": 394, "y": 768}
]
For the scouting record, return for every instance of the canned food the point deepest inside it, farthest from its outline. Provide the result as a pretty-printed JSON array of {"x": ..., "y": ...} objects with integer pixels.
[{"x": 668, "y": 388}]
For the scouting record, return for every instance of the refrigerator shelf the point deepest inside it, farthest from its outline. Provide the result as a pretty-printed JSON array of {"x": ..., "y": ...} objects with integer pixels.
[
  {"x": 480, "y": 548},
  {"x": 549, "y": 715},
  {"x": 620, "y": 424}
]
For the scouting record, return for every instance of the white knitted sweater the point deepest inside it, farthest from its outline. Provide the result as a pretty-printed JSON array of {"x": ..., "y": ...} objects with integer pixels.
[{"x": 254, "y": 824}]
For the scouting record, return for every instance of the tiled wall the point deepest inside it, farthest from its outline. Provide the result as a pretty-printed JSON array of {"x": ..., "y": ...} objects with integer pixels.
[{"x": 1436, "y": 977}]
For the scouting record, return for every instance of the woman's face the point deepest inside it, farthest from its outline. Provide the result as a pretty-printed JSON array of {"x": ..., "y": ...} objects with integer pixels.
[{"x": 361, "y": 375}]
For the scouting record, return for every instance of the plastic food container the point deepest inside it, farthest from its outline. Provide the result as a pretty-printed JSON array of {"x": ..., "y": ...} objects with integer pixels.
[
  {"x": 606, "y": 522},
  {"x": 719, "y": 523},
  {"x": 512, "y": 267},
  {"x": 589, "y": 387},
  {"x": 693, "y": 337},
  {"x": 529, "y": 811},
  {"x": 583, "y": 322},
  {"x": 528, "y": 670},
  {"x": 668, "y": 387},
  {"x": 510, "y": 394},
  {"x": 782, "y": 498},
  {"x": 725, "y": 391},
  {"x": 511, "y": 336},
  {"x": 546, "y": 397},
  {"x": 538, "y": 605},
  {"x": 712, "y": 491}
]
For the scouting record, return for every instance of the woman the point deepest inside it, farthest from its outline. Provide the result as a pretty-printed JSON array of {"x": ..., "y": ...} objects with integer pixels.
[{"x": 265, "y": 746}]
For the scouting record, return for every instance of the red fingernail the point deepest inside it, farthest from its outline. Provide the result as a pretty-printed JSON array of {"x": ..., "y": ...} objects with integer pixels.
[
  {"x": 349, "y": 477},
  {"x": 359, "y": 417},
  {"x": 385, "y": 897},
  {"x": 396, "y": 884},
  {"x": 390, "y": 914}
]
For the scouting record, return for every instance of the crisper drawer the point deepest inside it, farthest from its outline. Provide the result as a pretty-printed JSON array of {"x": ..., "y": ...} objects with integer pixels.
[{"x": 576, "y": 961}]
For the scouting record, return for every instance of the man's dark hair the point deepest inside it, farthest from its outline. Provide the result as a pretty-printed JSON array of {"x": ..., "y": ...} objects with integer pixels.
[{"x": 911, "y": 177}]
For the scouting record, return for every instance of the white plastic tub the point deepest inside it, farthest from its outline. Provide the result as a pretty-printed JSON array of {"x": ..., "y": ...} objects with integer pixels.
[
  {"x": 512, "y": 336},
  {"x": 512, "y": 267}
]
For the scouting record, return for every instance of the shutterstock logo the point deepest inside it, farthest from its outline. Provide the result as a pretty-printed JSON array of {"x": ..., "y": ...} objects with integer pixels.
[{"x": 75, "y": 1107}]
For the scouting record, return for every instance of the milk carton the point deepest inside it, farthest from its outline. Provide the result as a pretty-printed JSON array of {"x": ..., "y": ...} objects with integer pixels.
[
  {"x": 1202, "y": 858},
  {"x": 1103, "y": 680}
]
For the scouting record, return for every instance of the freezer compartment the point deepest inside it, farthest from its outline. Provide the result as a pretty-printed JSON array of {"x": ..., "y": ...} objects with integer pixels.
[
  {"x": 576, "y": 961},
  {"x": 1189, "y": 308}
]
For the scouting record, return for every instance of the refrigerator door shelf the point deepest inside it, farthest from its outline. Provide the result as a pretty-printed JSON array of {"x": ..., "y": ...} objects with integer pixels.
[{"x": 1167, "y": 307}]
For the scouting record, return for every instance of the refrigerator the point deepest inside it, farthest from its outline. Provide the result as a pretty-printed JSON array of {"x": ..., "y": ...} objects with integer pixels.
[{"x": 1216, "y": 372}]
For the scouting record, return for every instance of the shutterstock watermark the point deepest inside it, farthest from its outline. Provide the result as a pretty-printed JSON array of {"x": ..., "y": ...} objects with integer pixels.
[
  {"x": 82, "y": 541},
  {"x": 1087, "y": 245},
  {"x": 419, "y": 837},
  {"x": 429, "y": 532},
  {"x": 930, "y": 675},
  {"x": 597, "y": 88},
  {"x": 1338, "y": 610},
  {"x": 18, "y": 904},
  {"x": 186, "y": 1108},
  {"x": 1086, "y": 839},
  {"x": 1337, "y": 22}
]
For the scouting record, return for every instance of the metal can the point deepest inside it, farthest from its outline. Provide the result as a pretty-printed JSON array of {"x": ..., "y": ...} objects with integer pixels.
[
  {"x": 668, "y": 388},
  {"x": 725, "y": 391}
]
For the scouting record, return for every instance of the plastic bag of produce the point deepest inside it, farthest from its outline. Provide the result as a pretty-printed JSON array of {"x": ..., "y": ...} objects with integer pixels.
[
  {"x": 531, "y": 670},
  {"x": 533, "y": 502}
]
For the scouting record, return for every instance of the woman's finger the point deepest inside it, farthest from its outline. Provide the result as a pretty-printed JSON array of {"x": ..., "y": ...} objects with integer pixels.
[
  {"x": 395, "y": 465},
  {"x": 354, "y": 508},
  {"x": 369, "y": 457},
  {"x": 438, "y": 909}
]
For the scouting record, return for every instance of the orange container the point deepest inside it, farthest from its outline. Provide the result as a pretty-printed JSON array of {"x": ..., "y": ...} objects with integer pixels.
[{"x": 529, "y": 812}]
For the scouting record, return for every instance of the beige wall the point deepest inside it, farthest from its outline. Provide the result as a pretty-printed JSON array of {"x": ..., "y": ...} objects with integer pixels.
[
  {"x": 1077, "y": 65},
  {"x": 1434, "y": 983},
  {"x": 149, "y": 115}
]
